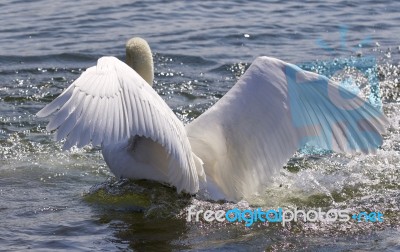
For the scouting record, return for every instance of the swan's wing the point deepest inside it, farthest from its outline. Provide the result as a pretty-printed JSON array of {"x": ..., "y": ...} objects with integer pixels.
[
  {"x": 275, "y": 107},
  {"x": 109, "y": 103}
]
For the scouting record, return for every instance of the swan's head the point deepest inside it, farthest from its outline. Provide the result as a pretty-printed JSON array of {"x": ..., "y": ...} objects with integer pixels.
[{"x": 139, "y": 57}]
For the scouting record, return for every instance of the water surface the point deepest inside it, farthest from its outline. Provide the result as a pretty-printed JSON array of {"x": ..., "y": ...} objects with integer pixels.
[{"x": 56, "y": 200}]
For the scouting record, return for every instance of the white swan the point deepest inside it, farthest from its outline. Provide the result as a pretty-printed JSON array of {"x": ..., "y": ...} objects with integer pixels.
[{"x": 231, "y": 150}]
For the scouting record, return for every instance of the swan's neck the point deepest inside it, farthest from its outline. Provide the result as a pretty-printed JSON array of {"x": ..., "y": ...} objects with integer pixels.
[{"x": 139, "y": 57}]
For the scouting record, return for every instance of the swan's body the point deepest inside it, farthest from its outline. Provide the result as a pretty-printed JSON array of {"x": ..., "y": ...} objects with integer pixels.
[{"x": 232, "y": 149}]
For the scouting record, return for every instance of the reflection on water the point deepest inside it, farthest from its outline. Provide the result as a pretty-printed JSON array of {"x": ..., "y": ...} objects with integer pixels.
[{"x": 142, "y": 214}]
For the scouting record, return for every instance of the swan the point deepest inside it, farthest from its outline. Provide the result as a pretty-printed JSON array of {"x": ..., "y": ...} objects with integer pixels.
[{"x": 231, "y": 151}]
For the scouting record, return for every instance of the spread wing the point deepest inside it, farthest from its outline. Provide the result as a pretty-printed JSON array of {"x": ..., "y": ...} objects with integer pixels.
[
  {"x": 110, "y": 103},
  {"x": 273, "y": 110}
]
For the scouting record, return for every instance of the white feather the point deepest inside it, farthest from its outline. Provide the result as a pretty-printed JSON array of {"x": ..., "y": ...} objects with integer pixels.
[
  {"x": 249, "y": 134},
  {"x": 100, "y": 110}
]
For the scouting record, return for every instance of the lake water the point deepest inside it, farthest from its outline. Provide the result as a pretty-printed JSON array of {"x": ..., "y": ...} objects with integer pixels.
[{"x": 67, "y": 200}]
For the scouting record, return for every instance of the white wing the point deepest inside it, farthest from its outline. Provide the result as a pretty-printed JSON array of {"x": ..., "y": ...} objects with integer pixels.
[
  {"x": 275, "y": 107},
  {"x": 110, "y": 103}
]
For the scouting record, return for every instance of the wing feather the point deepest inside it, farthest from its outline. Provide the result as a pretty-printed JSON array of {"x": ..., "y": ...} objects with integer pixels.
[
  {"x": 273, "y": 110},
  {"x": 110, "y": 103},
  {"x": 84, "y": 122},
  {"x": 115, "y": 120},
  {"x": 57, "y": 103}
]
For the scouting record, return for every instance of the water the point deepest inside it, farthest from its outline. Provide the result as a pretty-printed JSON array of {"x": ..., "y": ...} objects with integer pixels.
[{"x": 56, "y": 200}]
